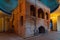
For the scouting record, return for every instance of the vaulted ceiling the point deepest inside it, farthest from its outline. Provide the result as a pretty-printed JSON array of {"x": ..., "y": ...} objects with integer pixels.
[
  {"x": 8, "y": 5},
  {"x": 52, "y": 4}
]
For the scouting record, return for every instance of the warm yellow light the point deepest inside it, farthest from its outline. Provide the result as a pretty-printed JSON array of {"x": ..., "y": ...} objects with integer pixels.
[{"x": 53, "y": 17}]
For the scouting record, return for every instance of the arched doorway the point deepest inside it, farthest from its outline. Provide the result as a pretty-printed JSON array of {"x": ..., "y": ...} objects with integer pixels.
[
  {"x": 40, "y": 13},
  {"x": 51, "y": 25},
  {"x": 41, "y": 29}
]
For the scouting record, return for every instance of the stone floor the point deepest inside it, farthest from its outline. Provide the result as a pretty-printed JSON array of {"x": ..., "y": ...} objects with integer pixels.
[
  {"x": 46, "y": 36},
  {"x": 9, "y": 36}
]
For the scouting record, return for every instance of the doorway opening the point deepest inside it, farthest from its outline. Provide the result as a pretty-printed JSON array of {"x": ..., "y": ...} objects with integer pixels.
[
  {"x": 41, "y": 29},
  {"x": 51, "y": 25}
]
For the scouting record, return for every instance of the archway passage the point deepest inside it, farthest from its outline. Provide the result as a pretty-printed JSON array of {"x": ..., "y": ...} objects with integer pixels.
[
  {"x": 4, "y": 22},
  {"x": 41, "y": 29},
  {"x": 51, "y": 25}
]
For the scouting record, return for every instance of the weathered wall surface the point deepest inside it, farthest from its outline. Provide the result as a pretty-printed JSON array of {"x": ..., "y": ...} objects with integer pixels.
[
  {"x": 30, "y": 23},
  {"x": 16, "y": 15}
]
